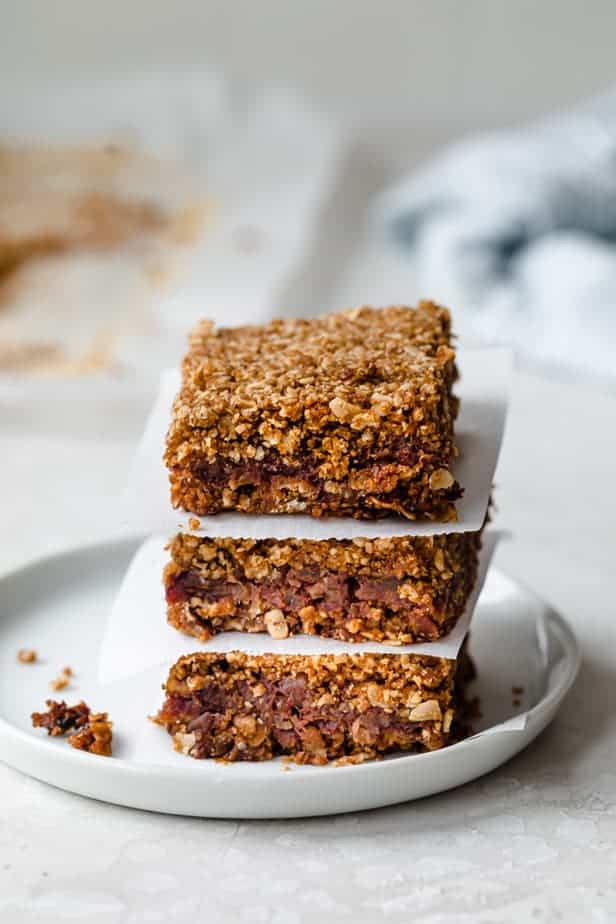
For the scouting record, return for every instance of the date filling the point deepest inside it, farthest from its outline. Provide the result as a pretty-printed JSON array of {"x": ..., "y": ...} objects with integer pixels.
[{"x": 311, "y": 601}]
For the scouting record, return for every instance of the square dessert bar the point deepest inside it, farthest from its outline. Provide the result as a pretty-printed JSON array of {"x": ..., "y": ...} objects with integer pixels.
[
  {"x": 348, "y": 414},
  {"x": 396, "y": 590},
  {"x": 313, "y": 708}
]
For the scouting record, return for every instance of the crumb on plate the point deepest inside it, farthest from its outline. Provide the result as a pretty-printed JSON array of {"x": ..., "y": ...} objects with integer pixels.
[
  {"x": 27, "y": 655},
  {"x": 91, "y": 731},
  {"x": 60, "y": 718},
  {"x": 62, "y": 680},
  {"x": 95, "y": 737}
]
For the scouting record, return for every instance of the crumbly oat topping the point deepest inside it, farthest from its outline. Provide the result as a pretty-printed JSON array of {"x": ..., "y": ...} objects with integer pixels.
[
  {"x": 431, "y": 558},
  {"x": 347, "y": 409}
]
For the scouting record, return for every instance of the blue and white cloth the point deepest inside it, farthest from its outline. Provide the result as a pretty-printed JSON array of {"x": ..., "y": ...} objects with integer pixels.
[{"x": 516, "y": 230}]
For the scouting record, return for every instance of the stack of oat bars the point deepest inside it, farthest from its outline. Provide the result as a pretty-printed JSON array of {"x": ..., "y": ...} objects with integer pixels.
[{"x": 349, "y": 415}]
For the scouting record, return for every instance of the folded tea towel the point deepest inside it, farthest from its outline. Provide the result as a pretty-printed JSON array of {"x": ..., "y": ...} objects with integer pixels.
[{"x": 517, "y": 231}]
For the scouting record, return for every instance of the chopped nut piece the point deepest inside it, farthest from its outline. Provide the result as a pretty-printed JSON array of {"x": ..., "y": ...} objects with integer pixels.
[
  {"x": 276, "y": 624},
  {"x": 184, "y": 741},
  {"x": 26, "y": 655},
  {"x": 245, "y": 724},
  {"x": 441, "y": 479},
  {"x": 427, "y": 711},
  {"x": 343, "y": 410},
  {"x": 250, "y": 729}
]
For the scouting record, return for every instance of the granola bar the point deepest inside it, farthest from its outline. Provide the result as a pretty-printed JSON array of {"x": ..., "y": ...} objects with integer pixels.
[
  {"x": 348, "y": 414},
  {"x": 400, "y": 590},
  {"x": 312, "y": 709}
]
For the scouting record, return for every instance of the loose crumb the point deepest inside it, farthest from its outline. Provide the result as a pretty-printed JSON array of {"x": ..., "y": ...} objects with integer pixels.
[
  {"x": 194, "y": 523},
  {"x": 62, "y": 680},
  {"x": 27, "y": 656},
  {"x": 516, "y": 702},
  {"x": 60, "y": 718},
  {"x": 91, "y": 731},
  {"x": 517, "y": 691},
  {"x": 95, "y": 737}
]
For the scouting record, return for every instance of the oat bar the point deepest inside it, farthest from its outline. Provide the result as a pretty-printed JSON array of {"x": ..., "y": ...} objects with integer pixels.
[
  {"x": 312, "y": 709},
  {"x": 400, "y": 590},
  {"x": 348, "y": 414}
]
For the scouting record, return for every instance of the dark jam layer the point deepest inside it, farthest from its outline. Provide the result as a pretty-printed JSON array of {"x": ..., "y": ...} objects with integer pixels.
[
  {"x": 373, "y": 489},
  {"x": 221, "y": 471},
  {"x": 303, "y": 596}
]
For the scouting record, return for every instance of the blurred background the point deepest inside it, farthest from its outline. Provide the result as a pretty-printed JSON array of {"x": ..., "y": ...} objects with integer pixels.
[
  {"x": 162, "y": 162},
  {"x": 441, "y": 67},
  {"x": 248, "y": 148}
]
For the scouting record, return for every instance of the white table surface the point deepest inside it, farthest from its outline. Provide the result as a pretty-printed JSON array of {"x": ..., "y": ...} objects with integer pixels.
[{"x": 533, "y": 841}]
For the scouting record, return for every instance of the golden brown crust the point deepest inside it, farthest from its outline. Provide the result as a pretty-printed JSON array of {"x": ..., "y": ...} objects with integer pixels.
[
  {"x": 400, "y": 590},
  {"x": 348, "y": 414},
  {"x": 313, "y": 708}
]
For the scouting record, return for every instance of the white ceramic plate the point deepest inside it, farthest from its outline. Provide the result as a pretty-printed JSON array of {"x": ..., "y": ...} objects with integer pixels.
[{"x": 59, "y": 606}]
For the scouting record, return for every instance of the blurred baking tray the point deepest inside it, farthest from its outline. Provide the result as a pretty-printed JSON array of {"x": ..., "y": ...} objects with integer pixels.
[{"x": 242, "y": 176}]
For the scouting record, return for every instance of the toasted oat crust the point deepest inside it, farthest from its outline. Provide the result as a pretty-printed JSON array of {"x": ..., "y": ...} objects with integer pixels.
[
  {"x": 349, "y": 414},
  {"x": 312, "y": 708},
  {"x": 329, "y": 588}
]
